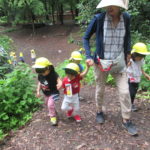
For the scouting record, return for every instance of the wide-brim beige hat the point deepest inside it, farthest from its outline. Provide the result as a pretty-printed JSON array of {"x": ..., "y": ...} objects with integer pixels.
[{"x": 119, "y": 3}]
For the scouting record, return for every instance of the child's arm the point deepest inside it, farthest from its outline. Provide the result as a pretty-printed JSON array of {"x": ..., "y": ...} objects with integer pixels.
[
  {"x": 128, "y": 58},
  {"x": 145, "y": 74},
  {"x": 129, "y": 63},
  {"x": 85, "y": 71},
  {"x": 38, "y": 89},
  {"x": 59, "y": 83}
]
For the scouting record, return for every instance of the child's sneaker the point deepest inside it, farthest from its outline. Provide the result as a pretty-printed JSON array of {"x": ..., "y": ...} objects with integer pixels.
[
  {"x": 77, "y": 118},
  {"x": 81, "y": 98},
  {"x": 53, "y": 121},
  {"x": 69, "y": 113}
]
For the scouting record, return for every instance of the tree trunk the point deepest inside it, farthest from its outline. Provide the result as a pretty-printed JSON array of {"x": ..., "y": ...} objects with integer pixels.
[
  {"x": 61, "y": 13},
  {"x": 45, "y": 3},
  {"x": 53, "y": 11},
  {"x": 33, "y": 25},
  {"x": 72, "y": 12},
  {"x": 76, "y": 10}
]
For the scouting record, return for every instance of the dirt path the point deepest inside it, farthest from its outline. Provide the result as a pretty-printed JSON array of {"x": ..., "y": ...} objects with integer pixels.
[
  {"x": 49, "y": 41},
  {"x": 68, "y": 135}
]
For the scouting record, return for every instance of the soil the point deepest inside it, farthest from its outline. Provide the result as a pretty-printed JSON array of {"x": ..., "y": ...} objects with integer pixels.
[{"x": 38, "y": 134}]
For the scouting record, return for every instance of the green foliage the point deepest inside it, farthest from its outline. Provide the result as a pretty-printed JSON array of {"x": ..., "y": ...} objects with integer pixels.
[
  {"x": 6, "y": 42},
  {"x": 17, "y": 99},
  {"x": 144, "y": 96},
  {"x": 87, "y": 9},
  {"x": 22, "y": 10},
  {"x": 70, "y": 39},
  {"x": 2, "y": 135},
  {"x": 10, "y": 30},
  {"x": 3, "y": 19},
  {"x": 140, "y": 21},
  {"x": 136, "y": 37},
  {"x": 145, "y": 84},
  {"x": 5, "y": 67},
  {"x": 60, "y": 68}
]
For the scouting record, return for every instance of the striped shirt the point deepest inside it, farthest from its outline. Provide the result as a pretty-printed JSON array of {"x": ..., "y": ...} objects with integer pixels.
[{"x": 113, "y": 38}]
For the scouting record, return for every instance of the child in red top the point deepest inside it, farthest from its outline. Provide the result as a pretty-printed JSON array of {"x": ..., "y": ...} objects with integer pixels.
[{"x": 71, "y": 85}]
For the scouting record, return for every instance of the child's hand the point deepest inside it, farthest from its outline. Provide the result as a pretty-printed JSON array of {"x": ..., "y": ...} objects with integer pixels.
[
  {"x": 38, "y": 94},
  {"x": 128, "y": 58},
  {"x": 148, "y": 77},
  {"x": 89, "y": 62},
  {"x": 59, "y": 84},
  {"x": 129, "y": 63}
]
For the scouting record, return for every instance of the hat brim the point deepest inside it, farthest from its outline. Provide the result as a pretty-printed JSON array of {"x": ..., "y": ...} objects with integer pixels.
[
  {"x": 104, "y": 4},
  {"x": 70, "y": 71},
  {"x": 75, "y": 58},
  {"x": 37, "y": 66},
  {"x": 146, "y": 53}
]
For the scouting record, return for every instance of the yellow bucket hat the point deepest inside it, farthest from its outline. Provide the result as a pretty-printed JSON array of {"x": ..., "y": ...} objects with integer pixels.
[
  {"x": 76, "y": 55},
  {"x": 41, "y": 62},
  {"x": 140, "y": 48}
]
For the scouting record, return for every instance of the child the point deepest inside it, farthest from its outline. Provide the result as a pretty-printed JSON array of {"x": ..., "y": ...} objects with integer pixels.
[
  {"x": 13, "y": 58},
  {"x": 21, "y": 58},
  {"x": 82, "y": 50},
  {"x": 49, "y": 83},
  {"x": 76, "y": 57},
  {"x": 33, "y": 55},
  {"x": 71, "y": 85},
  {"x": 135, "y": 70}
]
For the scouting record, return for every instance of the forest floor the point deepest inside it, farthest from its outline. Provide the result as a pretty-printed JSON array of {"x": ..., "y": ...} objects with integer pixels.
[{"x": 38, "y": 134}]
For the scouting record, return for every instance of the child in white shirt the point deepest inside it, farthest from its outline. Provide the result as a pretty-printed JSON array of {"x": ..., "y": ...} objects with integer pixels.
[{"x": 135, "y": 71}]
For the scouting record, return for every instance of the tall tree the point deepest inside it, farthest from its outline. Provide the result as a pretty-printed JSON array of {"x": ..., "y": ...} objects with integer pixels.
[{"x": 30, "y": 9}]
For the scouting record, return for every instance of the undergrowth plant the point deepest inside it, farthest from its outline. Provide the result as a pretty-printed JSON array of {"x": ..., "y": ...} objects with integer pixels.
[
  {"x": 5, "y": 47},
  {"x": 6, "y": 43},
  {"x": 17, "y": 99},
  {"x": 144, "y": 96},
  {"x": 145, "y": 84}
]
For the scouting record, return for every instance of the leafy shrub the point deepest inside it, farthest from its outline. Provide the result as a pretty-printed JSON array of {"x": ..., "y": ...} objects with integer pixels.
[
  {"x": 6, "y": 42},
  {"x": 17, "y": 99},
  {"x": 70, "y": 39},
  {"x": 87, "y": 10},
  {"x": 145, "y": 84},
  {"x": 144, "y": 96},
  {"x": 5, "y": 67},
  {"x": 140, "y": 21},
  {"x": 5, "y": 47},
  {"x": 3, "y": 19}
]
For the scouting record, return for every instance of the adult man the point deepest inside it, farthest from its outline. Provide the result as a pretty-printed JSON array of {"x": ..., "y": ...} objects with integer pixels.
[{"x": 112, "y": 29}]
